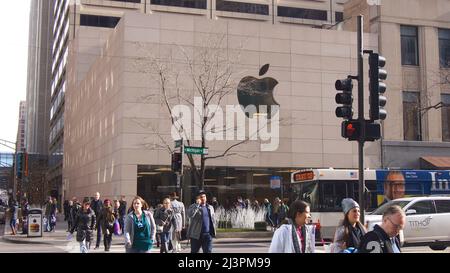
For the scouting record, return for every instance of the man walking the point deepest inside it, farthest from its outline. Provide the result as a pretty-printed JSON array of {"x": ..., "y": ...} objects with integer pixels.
[
  {"x": 122, "y": 212},
  {"x": 97, "y": 207},
  {"x": 201, "y": 228},
  {"x": 179, "y": 221}
]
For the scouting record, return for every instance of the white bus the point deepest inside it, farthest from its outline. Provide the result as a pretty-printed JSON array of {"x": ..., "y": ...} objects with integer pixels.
[{"x": 324, "y": 190}]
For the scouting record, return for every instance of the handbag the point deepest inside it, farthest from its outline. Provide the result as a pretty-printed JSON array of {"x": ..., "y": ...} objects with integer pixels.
[{"x": 116, "y": 227}]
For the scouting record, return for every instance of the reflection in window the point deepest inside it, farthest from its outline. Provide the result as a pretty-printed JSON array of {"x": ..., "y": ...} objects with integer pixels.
[
  {"x": 409, "y": 44},
  {"x": 442, "y": 206},
  {"x": 195, "y": 4},
  {"x": 411, "y": 116},
  {"x": 445, "y": 112},
  {"x": 231, "y": 6},
  {"x": 312, "y": 14},
  {"x": 423, "y": 207},
  {"x": 444, "y": 47}
]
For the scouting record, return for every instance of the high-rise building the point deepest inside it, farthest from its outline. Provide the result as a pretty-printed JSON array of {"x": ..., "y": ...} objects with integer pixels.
[
  {"x": 101, "y": 16},
  {"x": 20, "y": 140},
  {"x": 39, "y": 76}
]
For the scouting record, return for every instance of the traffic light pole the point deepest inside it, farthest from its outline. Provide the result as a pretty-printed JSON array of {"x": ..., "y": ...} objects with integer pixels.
[{"x": 361, "y": 119}]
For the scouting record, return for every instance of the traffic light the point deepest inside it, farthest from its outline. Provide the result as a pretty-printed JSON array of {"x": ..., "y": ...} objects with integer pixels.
[
  {"x": 376, "y": 87},
  {"x": 177, "y": 162},
  {"x": 351, "y": 129},
  {"x": 345, "y": 98}
]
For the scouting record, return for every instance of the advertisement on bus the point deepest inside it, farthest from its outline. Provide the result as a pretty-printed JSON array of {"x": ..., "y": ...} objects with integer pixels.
[{"x": 393, "y": 184}]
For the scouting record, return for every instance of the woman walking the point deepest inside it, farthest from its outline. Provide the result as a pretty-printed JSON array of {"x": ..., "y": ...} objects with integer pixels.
[
  {"x": 163, "y": 218},
  {"x": 106, "y": 221},
  {"x": 84, "y": 224},
  {"x": 349, "y": 234},
  {"x": 295, "y": 236},
  {"x": 140, "y": 228}
]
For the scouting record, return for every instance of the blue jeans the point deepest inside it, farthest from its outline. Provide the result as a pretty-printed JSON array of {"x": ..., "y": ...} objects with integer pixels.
[
  {"x": 165, "y": 238},
  {"x": 205, "y": 242}
]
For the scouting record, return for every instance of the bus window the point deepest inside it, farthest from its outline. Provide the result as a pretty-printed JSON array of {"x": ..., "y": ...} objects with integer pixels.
[
  {"x": 332, "y": 193},
  {"x": 308, "y": 192}
]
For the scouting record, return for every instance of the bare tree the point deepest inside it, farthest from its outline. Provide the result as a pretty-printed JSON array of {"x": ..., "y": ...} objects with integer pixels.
[{"x": 208, "y": 71}]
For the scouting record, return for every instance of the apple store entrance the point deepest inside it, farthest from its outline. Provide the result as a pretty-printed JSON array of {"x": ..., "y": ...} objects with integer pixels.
[{"x": 224, "y": 183}]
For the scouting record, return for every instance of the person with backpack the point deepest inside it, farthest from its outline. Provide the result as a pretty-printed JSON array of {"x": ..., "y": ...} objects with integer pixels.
[
  {"x": 84, "y": 224},
  {"x": 106, "y": 221},
  {"x": 384, "y": 238},
  {"x": 350, "y": 232}
]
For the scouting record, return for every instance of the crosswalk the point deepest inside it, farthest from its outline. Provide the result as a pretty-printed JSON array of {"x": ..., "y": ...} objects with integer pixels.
[{"x": 117, "y": 247}]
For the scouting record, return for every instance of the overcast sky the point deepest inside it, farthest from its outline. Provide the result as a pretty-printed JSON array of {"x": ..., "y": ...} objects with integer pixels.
[{"x": 13, "y": 65}]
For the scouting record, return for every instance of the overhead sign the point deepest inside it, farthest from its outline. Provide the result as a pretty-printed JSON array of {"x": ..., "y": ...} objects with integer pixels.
[
  {"x": 195, "y": 150},
  {"x": 275, "y": 182}
]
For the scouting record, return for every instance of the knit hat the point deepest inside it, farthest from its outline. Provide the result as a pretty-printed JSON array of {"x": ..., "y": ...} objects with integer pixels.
[{"x": 348, "y": 204}]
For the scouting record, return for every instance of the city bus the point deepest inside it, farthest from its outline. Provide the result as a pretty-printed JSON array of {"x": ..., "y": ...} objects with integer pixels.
[{"x": 324, "y": 190}]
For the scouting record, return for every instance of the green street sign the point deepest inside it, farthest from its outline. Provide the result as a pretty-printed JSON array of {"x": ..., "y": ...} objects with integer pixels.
[{"x": 195, "y": 150}]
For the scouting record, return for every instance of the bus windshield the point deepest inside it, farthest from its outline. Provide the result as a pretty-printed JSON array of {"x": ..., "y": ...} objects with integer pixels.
[{"x": 381, "y": 209}]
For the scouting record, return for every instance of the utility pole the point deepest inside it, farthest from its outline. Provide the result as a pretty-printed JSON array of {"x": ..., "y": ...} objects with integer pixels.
[{"x": 361, "y": 119}]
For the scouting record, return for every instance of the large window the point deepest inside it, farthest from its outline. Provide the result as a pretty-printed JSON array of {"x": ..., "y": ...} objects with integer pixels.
[
  {"x": 232, "y": 6},
  {"x": 195, "y": 4},
  {"x": 302, "y": 13},
  {"x": 445, "y": 110},
  {"x": 410, "y": 48},
  {"x": 411, "y": 118},
  {"x": 98, "y": 21},
  {"x": 444, "y": 47}
]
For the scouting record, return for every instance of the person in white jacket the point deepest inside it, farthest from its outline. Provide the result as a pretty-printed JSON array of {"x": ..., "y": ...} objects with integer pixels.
[{"x": 295, "y": 236}]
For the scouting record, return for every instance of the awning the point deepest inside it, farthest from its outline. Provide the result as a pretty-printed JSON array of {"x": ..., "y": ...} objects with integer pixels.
[{"x": 435, "y": 162}]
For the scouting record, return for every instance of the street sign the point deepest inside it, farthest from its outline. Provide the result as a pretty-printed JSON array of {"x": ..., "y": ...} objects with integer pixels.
[{"x": 195, "y": 150}]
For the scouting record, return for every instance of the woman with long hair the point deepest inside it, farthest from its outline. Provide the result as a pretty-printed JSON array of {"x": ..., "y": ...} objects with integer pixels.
[
  {"x": 349, "y": 234},
  {"x": 140, "y": 228},
  {"x": 295, "y": 236}
]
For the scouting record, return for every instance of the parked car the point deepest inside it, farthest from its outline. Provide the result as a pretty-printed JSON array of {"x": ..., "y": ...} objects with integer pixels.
[{"x": 427, "y": 221}]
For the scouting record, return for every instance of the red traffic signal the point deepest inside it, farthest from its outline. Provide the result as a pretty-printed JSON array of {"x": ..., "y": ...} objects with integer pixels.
[{"x": 350, "y": 130}]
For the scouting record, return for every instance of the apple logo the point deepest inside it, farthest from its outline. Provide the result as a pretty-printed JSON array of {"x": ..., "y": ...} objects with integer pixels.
[{"x": 257, "y": 92}]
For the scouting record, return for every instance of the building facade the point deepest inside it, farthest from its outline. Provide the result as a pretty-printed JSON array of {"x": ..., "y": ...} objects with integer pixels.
[
  {"x": 414, "y": 36},
  {"x": 39, "y": 77},
  {"x": 116, "y": 122},
  {"x": 69, "y": 15}
]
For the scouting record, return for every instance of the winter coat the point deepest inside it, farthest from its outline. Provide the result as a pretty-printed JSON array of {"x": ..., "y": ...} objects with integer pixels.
[
  {"x": 282, "y": 241},
  {"x": 338, "y": 242},
  {"x": 106, "y": 219},
  {"x": 129, "y": 226},
  {"x": 84, "y": 224},
  {"x": 97, "y": 207},
  {"x": 179, "y": 215},
  {"x": 164, "y": 218},
  {"x": 377, "y": 241},
  {"x": 196, "y": 221}
]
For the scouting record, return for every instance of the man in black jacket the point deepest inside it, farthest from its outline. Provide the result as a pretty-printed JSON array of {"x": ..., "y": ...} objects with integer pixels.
[
  {"x": 122, "y": 212},
  {"x": 97, "y": 207},
  {"x": 383, "y": 238}
]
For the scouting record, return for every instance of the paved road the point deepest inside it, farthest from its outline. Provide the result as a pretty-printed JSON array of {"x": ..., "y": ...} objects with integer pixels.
[{"x": 73, "y": 247}]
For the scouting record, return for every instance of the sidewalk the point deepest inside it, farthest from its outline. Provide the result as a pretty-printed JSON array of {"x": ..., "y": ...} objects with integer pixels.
[{"x": 59, "y": 237}]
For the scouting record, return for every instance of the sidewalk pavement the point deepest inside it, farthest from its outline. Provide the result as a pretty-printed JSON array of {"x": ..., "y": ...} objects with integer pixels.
[{"x": 59, "y": 237}]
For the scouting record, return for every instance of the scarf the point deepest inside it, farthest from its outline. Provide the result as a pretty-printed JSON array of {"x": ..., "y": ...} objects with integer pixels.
[
  {"x": 355, "y": 235},
  {"x": 295, "y": 238}
]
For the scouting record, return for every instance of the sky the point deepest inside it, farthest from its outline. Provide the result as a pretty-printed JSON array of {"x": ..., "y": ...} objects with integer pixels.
[{"x": 13, "y": 65}]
